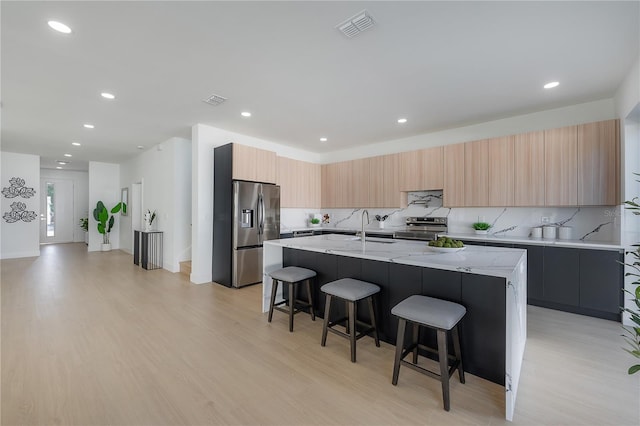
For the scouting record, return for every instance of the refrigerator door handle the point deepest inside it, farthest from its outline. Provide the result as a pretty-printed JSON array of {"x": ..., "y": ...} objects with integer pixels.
[{"x": 261, "y": 214}]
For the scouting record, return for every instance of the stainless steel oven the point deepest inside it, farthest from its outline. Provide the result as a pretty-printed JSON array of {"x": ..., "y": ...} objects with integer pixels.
[{"x": 422, "y": 228}]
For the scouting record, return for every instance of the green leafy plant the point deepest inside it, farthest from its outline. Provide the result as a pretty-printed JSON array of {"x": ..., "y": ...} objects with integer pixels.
[
  {"x": 632, "y": 333},
  {"x": 105, "y": 220},
  {"x": 481, "y": 226},
  {"x": 84, "y": 223},
  {"x": 315, "y": 221}
]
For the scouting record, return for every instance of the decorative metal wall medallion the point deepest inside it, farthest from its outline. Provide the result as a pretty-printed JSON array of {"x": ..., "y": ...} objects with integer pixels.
[
  {"x": 19, "y": 212},
  {"x": 17, "y": 189}
]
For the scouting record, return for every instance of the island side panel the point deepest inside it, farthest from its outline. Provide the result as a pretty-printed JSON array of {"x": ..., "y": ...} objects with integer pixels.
[
  {"x": 516, "y": 336},
  {"x": 484, "y": 326}
]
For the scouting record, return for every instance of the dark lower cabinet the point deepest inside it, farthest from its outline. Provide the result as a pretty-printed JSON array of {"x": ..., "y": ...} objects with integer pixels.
[
  {"x": 601, "y": 275},
  {"x": 561, "y": 276}
]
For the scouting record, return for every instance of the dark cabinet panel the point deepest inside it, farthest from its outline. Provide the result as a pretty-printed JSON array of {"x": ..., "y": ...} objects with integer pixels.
[
  {"x": 404, "y": 281},
  {"x": 441, "y": 284},
  {"x": 535, "y": 259},
  {"x": 561, "y": 276},
  {"x": 601, "y": 280},
  {"x": 484, "y": 326},
  {"x": 378, "y": 273}
]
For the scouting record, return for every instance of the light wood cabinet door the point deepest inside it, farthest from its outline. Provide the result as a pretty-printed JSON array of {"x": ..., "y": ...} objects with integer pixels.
[
  {"x": 598, "y": 163},
  {"x": 254, "y": 164},
  {"x": 244, "y": 162},
  {"x": 329, "y": 174},
  {"x": 528, "y": 173},
  {"x": 266, "y": 166},
  {"x": 384, "y": 188},
  {"x": 500, "y": 171},
  {"x": 360, "y": 178},
  {"x": 310, "y": 184},
  {"x": 287, "y": 182},
  {"x": 561, "y": 167},
  {"x": 453, "y": 190},
  {"x": 476, "y": 173},
  {"x": 421, "y": 170}
]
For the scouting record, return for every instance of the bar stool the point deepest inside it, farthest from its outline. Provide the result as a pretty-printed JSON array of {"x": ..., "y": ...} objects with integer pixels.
[
  {"x": 440, "y": 315},
  {"x": 351, "y": 291},
  {"x": 292, "y": 275}
]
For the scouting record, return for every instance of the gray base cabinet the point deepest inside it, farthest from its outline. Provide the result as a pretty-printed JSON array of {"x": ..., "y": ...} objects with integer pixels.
[{"x": 561, "y": 275}]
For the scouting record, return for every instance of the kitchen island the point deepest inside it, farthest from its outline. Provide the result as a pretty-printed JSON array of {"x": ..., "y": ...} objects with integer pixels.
[{"x": 491, "y": 282}]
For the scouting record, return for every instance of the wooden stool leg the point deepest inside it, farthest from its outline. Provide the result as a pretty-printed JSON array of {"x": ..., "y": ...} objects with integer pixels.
[
  {"x": 372, "y": 313},
  {"x": 292, "y": 304},
  {"x": 414, "y": 341},
  {"x": 456, "y": 349},
  {"x": 399, "y": 346},
  {"x": 444, "y": 366},
  {"x": 274, "y": 290},
  {"x": 346, "y": 309},
  {"x": 352, "y": 326},
  {"x": 325, "y": 323},
  {"x": 313, "y": 314}
]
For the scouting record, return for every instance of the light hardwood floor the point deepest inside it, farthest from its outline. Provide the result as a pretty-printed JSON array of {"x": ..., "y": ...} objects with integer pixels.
[{"x": 90, "y": 339}]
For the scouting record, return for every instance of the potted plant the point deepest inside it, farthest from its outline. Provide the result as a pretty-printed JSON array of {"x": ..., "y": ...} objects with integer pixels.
[
  {"x": 106, "y": 221},
  {"x": 481, "y": 227},
  {"x": 84, "y": 224},
  {"x": 314, "y": 221},
  {"x": 632, "y": 333},
  {"x": 381, "y": 220}
]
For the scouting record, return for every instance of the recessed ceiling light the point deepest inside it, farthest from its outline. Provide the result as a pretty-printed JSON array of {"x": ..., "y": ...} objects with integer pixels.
[
  {"x": 140, "y": 146},
  {"x": 76, "y": 143},
  {"x": 68, "y": 155},
  {"x": 107, "y": 95},
  {"x": 551, "y": 85},
  {"x": 60, "y": 27},
  {"x": 245, "y": 114},
  {"x": 402, "y": 120},
  {"x": 323, "y": 139},
  {"x": 58, "y": 167},
  {"x": 89, "y": 126},
  {"x": 62, "y": 163}
]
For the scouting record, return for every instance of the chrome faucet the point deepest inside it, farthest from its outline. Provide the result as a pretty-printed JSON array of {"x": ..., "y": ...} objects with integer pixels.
[{"x": 362, "y": 232}]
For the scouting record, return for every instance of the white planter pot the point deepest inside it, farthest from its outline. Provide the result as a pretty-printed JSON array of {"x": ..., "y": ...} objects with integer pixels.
[
  {"x": 86, "y": 237},
  {"x": 380, "y": 225},
  {"x": 479, "y": 232},
  {"x": 106, "y": 247}
]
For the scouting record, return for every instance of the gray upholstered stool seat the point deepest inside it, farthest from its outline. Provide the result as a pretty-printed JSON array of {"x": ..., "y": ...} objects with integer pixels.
[
  {"x": 292, "y": 276},
  {"x": 351, "y": 291},
  {"x": 440, "y": 315}
]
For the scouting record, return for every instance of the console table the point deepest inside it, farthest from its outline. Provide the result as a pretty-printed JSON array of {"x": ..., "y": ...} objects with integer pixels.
[{"x": 147, "y": 249}]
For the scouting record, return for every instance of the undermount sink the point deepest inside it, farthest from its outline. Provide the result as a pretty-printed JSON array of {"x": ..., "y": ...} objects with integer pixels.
[{"x": 372, "y": 240}]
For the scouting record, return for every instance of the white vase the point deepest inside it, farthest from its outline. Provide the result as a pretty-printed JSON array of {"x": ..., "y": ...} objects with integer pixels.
[
  {"x": 106, "y": 247},
  {"x": 482, "y": 232},
  {"x": 380, "y": 225}
]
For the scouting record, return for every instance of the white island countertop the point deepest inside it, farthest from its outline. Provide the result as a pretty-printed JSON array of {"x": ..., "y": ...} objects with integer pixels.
[{"x": 492, "y": 261}]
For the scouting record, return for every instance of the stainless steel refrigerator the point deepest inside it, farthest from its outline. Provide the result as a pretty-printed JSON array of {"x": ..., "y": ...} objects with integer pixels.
[
  {"x": 256, "y": 218},
  {"x": 245, "y": 215}
]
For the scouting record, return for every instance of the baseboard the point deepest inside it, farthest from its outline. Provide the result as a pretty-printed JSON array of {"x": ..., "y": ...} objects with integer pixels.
[{"x": 18, "y": 255}]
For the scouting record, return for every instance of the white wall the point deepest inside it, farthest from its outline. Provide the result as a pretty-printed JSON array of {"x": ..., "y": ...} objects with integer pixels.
[
  {"x": 165, "y": 171},
  {"x": 628, "y": 94},
  {"x": 549, "y": 119},
  {"x": 104, "y": 185},
  {"x": 20, "y": 239},
  {"x": 80, "y": 196}
]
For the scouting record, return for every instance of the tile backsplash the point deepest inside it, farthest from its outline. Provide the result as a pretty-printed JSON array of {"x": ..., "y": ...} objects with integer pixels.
[{"x": 587, "y": 223}]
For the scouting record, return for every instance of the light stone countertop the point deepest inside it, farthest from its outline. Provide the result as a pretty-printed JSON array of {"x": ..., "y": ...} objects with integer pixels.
[
  {"x": 491, "y": 261},
  {"x": 595, "y": 245}
]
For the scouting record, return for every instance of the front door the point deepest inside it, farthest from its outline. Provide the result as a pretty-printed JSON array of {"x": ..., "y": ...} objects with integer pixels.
[{"x": 57, "y": 208}]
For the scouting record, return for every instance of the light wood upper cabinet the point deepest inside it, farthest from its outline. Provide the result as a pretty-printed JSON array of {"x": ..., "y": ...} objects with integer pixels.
[
  {"x": 453, "y": 189},
  {"x": 476, "y": 173},
  {"x": 384, "y": 188},
  {"x": 528, "y": 174},
  {"x": 598, "y": 163},
  {"x": 501, "y": 171},
  {"x": 358, "y": 191},
  {"x": 421, "y": 170},
  {"x": 299, "y": 183},
  {"x": 254, "y": 164},
  {"x": 561, "y": 166},
  {"x": 329, "y": 173}
]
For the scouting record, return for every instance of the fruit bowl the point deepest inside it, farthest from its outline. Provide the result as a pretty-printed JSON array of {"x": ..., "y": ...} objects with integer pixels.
[{"x": 446, "y": 249}]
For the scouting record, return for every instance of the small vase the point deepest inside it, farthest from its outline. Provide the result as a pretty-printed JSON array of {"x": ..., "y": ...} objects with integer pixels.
[
  {"x": 482, "y": 231},
  {"x": 381, "y": 225},
  {"x": 106, "y": 247}
]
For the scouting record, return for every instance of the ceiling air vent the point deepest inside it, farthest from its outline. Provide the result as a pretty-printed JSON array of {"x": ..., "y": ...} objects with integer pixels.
[
  {"x": 356, "y": 24},
  {"x": 215, "y": 100}
]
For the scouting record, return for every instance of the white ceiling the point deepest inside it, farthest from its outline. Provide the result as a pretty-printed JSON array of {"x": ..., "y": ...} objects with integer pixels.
[{"x": 439, "y": 64}]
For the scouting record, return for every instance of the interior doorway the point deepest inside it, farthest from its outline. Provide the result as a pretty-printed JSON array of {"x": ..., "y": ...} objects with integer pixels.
[{"x": 56, "y": 211}]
